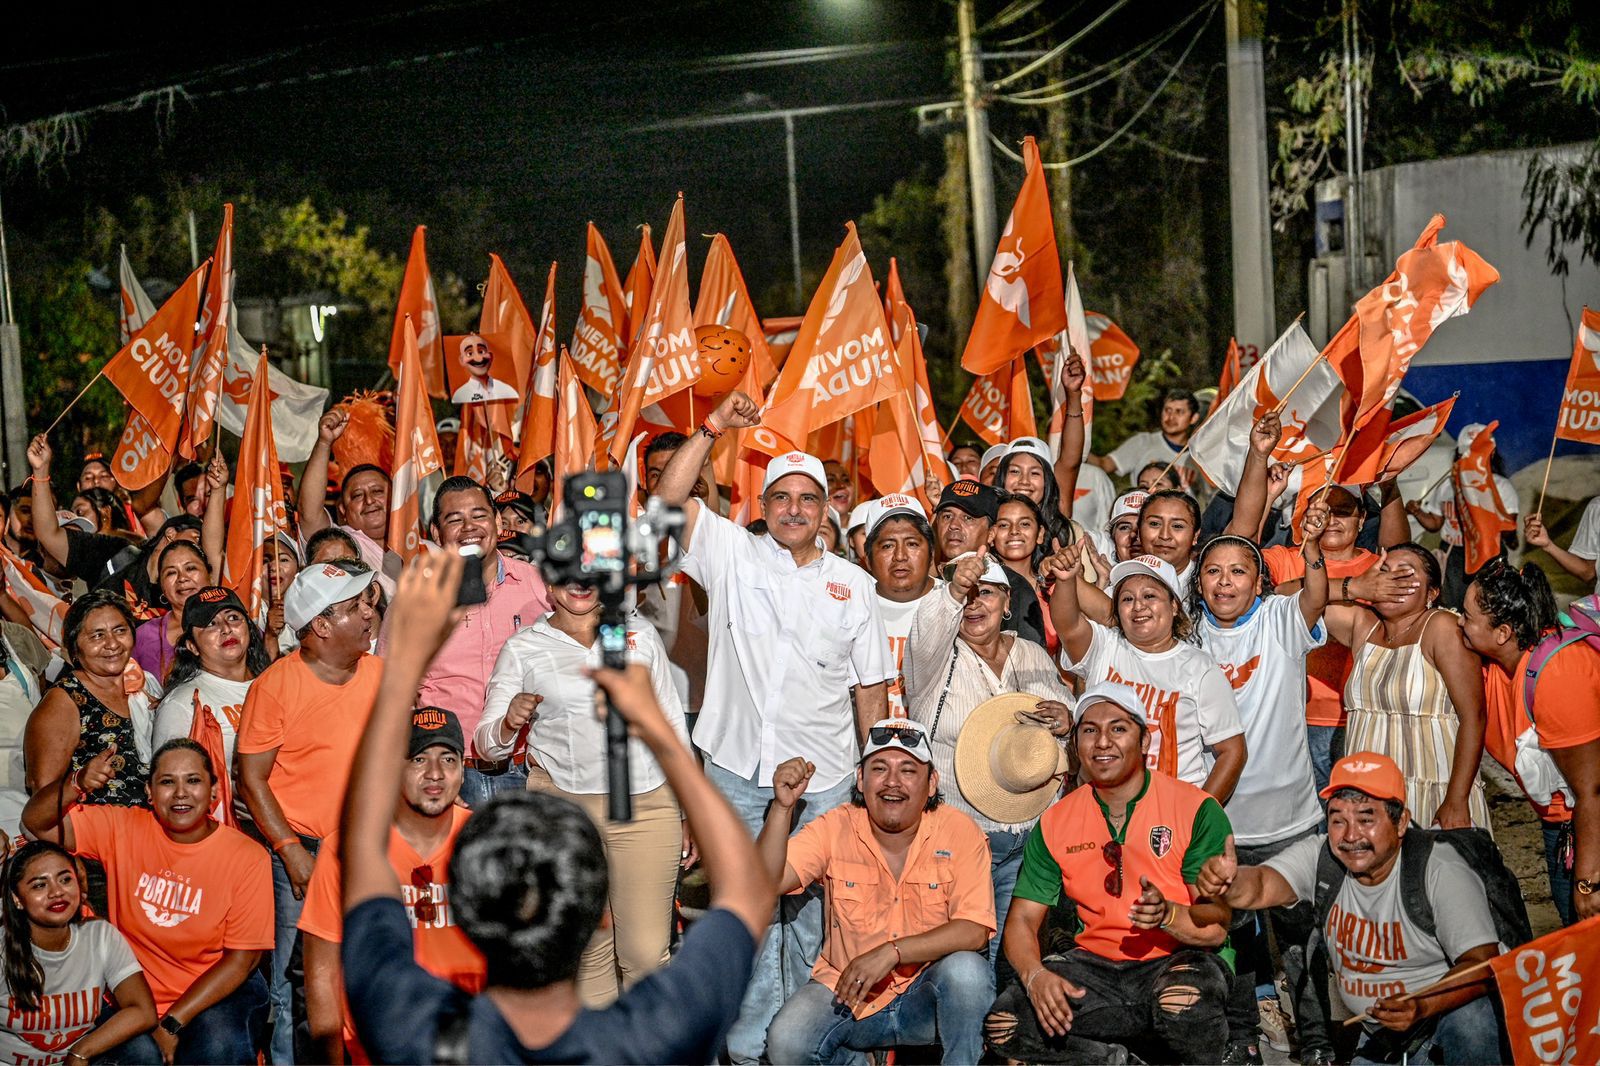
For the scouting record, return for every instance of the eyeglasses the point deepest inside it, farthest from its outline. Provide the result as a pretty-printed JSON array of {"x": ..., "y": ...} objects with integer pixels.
[
  {"x": 908, "y": 735},
  {"x": 1113, "y": 853},
  {"x": 425, "y": 908}
]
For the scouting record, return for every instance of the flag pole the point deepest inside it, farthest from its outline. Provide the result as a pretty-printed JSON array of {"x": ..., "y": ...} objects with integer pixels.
[
  {"x": 97, "y": 375},
  {"x": 1548, "y": 460}
]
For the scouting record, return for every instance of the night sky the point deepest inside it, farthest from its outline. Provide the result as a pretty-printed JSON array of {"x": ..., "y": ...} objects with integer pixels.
[{"x": 537, "y": 115}]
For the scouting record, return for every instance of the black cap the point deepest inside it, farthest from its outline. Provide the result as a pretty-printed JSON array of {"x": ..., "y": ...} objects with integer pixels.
[
  {"x": 435, "y": 725},
  {"x": 520, "y": 502},
  {"x": 973, "y": 497},
  {"x": 209, "y": 602}
]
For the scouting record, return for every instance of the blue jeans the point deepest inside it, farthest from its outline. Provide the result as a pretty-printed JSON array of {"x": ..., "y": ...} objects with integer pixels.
[
  {"x": 1005, "y": 863},
  {"x": 1327, "y": 748},
  {"x": 1560, "y": 876},
  {"x": 1467, "y": 1036},
  {"x": 286, "y": 911},
  {"x": 945, "y": 1005},
  {"x": 225, "y": 1032},
  {"x": 788, "y": 952},
  {"x": 477, "y": 788}
]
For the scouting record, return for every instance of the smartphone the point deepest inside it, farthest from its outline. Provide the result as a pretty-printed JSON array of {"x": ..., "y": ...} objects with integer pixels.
[{"x": 471, "y": 591}]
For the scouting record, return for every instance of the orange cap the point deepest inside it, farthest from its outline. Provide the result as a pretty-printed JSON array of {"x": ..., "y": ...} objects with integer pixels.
[{"x": 1368, "y": 772}]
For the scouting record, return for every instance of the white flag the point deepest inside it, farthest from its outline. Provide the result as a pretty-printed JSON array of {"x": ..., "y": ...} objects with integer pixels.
[
  {"x": 135, "y": 304},
  {"x": 296, "y": 406}
]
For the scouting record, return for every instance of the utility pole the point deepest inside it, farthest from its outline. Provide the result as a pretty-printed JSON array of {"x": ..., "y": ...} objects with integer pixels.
[
  {"x": 980, "y": 170},
  {"x": 15, "y": 415},
  {"x": 1254, "y": 322},
  {"x": 794, "y": 211}
]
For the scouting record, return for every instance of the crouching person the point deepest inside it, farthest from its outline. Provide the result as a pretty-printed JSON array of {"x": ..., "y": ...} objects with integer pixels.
[
  {"x": 1128, "y": 848},
  {"x": 911, "y": 903}
]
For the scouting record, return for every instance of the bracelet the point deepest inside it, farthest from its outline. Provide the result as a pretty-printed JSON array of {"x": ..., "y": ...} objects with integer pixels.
[
  {"x": 77, "y": 1055},
  {"x": 710, "y": 431},
  {"x": 1074, "y": 414},
  {"x": 1027, "y": 986},
  {"x": 46, "y": 479},
  {"x": 75, "y": 779},
  {"x": 896, "y": 945},
  {"x": 1344, "y": 590},
  {"x": 279, "y": 845},
  {"x": 1172, "y": 913},
  {"x": 1317, "y": 564}
]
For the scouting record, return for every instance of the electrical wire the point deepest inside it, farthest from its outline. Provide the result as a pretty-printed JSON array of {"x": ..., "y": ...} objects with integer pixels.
[
  {"x": 1094, "y": 23},
  {"x": 1114, "y": 67},
  {"x": 1010, "y": 13}
]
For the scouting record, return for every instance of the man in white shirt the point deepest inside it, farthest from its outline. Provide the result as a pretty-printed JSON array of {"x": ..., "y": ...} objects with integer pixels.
[
  {"x": 898, "y": 553},
  {"x": 1180, "y": 412},
  {"x": 798, "y": 664}
]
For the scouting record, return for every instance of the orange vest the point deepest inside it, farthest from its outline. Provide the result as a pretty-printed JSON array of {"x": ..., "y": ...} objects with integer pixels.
[{"x": 1157, "y": 834}]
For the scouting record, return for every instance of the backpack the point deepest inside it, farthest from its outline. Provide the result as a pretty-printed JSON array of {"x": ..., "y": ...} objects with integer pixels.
[
  {"x": 1581, "y": 622},
  {"x": 1475, "y": 847}
]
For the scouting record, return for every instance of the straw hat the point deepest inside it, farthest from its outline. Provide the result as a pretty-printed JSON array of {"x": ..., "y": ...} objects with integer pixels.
[{"x": 1008, "y": 766}]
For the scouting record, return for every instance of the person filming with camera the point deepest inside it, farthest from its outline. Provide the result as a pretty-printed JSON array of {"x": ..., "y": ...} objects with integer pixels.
[{"x": 797, "y": 666}]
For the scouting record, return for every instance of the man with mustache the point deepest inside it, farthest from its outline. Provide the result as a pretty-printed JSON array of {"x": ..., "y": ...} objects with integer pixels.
[
  {"x": 912, "y": 908},
  {"x": 898, "y": 552},
  {"x": 964, "y": 518},
  {"x": 797, "y": 662},
  {"x": 1377, "y": 950}
]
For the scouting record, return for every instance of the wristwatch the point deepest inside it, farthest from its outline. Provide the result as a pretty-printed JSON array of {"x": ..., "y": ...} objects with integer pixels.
[{"x": 172, "y": 1025}]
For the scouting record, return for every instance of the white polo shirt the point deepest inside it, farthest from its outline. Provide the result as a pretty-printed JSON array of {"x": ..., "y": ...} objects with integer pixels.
[{"x": 786, "y": 643}]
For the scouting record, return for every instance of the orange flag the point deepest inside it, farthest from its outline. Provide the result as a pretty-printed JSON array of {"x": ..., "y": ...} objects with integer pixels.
[
  {"x": 205, "y": 730},
  {"x": 1579, "y": 418},
  {"x": 1113, "y": 356},
  {"x": 416, "y": 449},
  {"x": 843, "y": 359},
  {"x": 257, "y": 512},
  {"x": 152, "y": 371},
  {"x": 1480, "y": 512},
  {"x": 1231, "y": 373},
  {"x": 906, "y": 447},
  {"x": 47, "y": 612},
  {"x": 724, "y": 300},
  {"x": 641, "y": 279},
  {"x": 597, "y": 339},
  {"x": 418, "y": 303},
  {"x": 485, "y": 438},
  {"x": 998, "y": 407},
  {"x": 663, "y": 359},
  {"x": 1548, "y": 989},
  {"x": 505, "y": 316},
  {"x": 1023, "y": 303},
  {"x": 575, "y": 436},
  {"x": 211, "y": 347},
  {"x": 1406, "y": 441},
  {"x": 538, "y": 436}
]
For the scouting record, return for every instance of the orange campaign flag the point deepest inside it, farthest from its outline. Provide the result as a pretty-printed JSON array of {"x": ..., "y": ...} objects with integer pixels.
[
  {"x": 211, "y": 347},
  {"x": 1547, "y": 986},
  {"x": 575, "y": 436},
  {"x": 1023, "y": 303},
  {"x": 906, "y": 448},
  {"x": 205, "y": 730},
  {"x": 152, "y": 371},
  {"x": 1480, "y": 512},
  {"x": 1405, "y": 442},
  {"x": 505, "y": 315},
  {"x": 999, "y": 407},
  {"x": 1113, "y": 356},
  {"x": 257, "y": 512},
  {"x": 47, "y": 612},
  {"x": 597, "y": 339},
  {"x": 418, "y": 302},
  {"x": 538, "y": 437},
  {"x": 416, "y": 449},
  {"x": 641, "y": 279},
  {"x": 724, "y": 300},
  {"x": 842, "y": 359},
  {"x": 1579, "y": 418},
  {"x": 1231, "y": 373}
]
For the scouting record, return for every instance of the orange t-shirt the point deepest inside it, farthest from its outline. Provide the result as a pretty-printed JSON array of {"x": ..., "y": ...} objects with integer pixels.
[
  {"x": 315, "y": 727},
  {"x": 1327, "y": 667},
  {"x": 945, "y": 877},
  {"x": 179, "y": 905},
  {"x": 440, "y": 947},
  {"x": 1566, "y": 708}
]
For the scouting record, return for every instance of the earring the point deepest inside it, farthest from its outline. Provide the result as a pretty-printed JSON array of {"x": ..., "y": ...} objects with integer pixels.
[{"x": 1006, "y": 617}]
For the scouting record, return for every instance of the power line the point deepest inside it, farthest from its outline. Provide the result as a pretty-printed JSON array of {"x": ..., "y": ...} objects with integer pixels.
[
  {"x": 1113, "y": 68},
  {"x": 1094, "y": 23}
]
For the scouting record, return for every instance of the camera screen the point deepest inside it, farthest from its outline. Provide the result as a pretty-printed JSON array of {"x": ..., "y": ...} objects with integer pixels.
[{"x": 602, "y": 542}]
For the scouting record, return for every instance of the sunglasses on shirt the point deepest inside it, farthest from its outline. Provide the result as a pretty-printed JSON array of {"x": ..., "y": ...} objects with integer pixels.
[
  {"x": 1113, "y": 854},
  {"x": 425, "y": 908}
]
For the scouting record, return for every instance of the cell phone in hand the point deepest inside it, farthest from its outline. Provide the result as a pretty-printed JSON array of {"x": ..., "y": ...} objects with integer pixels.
[{"x": 472, "y": 590}]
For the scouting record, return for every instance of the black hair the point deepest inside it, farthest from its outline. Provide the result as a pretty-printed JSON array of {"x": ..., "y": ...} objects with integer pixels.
[
  {"x": 325, "y": 534},
  {"x": 924, "y": 530},
  {"x": 181, "y": 744},
  {"x": 103, "y": 500},
  {"x": 1393, "y": 808},
  {"x": 1188, "y": 501},
  {"x": 78, "y": 614},
  {"x": 23, "y": 491},
  {"x": 186, "y": 661},
  {"x": 459, "y": 483},
  {"x": 757, "y": 527},
  {"x": 1183, "y": 395},
  {"x": 1183, "y": 627},
  {"x": 1039, "y": 516},
  {"x": 950, "y": 455},
  {"x": 1057, "y": 528},
  {"x": 1520, "y": 599},
  {"x": 1164, "y": 469},
  {"x": 187, "y": 472},
  {"x": 1430, "y": 562},
  {"x": 161, "y": 560},
  {"x": 95, "y": 458},
  {"x": 668, "y": 441},
  {"x": 363, "y": 468},
  {"x": 528, "y": 883},
  {"x": 1227, "y": 540},
  {"x": 24, "y": 976}
]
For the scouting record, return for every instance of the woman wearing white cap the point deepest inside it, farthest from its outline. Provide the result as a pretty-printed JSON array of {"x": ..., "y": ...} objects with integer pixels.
[
  {"x": 1196, "y": 734},
  {"x": 958, "y": 657}
]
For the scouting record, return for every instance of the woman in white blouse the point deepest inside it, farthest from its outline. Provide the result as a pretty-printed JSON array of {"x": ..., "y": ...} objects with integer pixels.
[
  {"x": 958, "y": 656},
  {"x": 539, "y": 684}
]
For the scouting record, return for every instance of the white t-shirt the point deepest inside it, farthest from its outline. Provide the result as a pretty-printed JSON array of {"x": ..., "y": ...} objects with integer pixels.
[
  {"x": 97, "y": 959},
  {"x": 1095, "y": 494},
  {"x": 1586, "y": 542},
  {"x": 1142, "y": 449},
  {"x": 897, "y": 618},
  {"x": 222, "y": 698},
  {"x": 1182, "y": 684},
  {"x": 1442, "y": 501},
  {"x": 1375, "y": 949},
  {"x": 1263, "y": 656}
]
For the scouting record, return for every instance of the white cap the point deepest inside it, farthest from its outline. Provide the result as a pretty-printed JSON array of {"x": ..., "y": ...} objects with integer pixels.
[
  {"x": 1468, "y": 434},
  {"x": 1150, "y": 566},
  {"x": 901, "y": 733},
  {"x": 1128, "y": 503},
  {"x": 448, "y": 425},
  {"x": 1030, "y": 446},
  {"x": 993, "y": 572},
  {"x": 833, "y": 516},
  {"x": 1112, "y": 692},
  {"x": 861, "y": 514},
  {"x": 318, "y": 587},
  {"x": 894, "y": 505},
  {"x": 73, "y": 520},
  {"x": 992, "y": 455},
  {"x": 795, "y": 463}
]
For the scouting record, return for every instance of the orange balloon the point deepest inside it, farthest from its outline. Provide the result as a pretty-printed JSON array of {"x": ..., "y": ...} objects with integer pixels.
[{"x": 724, "y": 355}]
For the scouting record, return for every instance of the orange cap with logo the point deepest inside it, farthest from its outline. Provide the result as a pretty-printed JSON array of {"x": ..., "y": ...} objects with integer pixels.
[{"x": 1369, "y": 772}]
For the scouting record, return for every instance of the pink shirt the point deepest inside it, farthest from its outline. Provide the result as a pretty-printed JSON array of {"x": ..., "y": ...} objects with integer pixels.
[{"x": 459, "y": 676}]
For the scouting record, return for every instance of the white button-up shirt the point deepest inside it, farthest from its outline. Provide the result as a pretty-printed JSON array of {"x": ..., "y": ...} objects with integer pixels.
[
  {"x": 786, "y": 643},
  {"x": 568, "y": 739}
]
